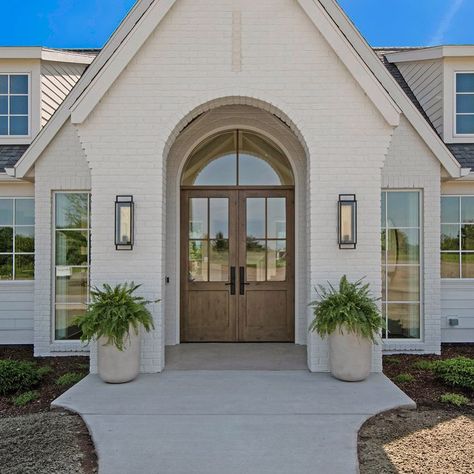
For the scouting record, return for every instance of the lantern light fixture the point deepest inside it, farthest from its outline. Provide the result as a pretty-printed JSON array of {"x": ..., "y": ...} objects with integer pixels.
[
  {"x": 124, "y": 222},
  {"x": 347, "y": 221}
]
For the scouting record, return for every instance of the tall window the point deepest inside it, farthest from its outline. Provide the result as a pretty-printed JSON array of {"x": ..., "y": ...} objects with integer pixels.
[
  {"x": 465, "y": 103},
  {"x": 17, "y": 239},
  {"x": 401, "y": 264},
  {"x": 14, "y": 104},
  {"x": 457, "y": 237},
  {"x": 72, "y": 261}
]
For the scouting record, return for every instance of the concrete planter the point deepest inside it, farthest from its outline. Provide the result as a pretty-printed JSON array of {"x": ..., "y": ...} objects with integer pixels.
[
  {"x": 350, "y": 356},
  {"x": 116, "y": 366}
]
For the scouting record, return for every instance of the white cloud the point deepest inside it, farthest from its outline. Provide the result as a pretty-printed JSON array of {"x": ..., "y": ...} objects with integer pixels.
[{"x": 445, "y": 25}]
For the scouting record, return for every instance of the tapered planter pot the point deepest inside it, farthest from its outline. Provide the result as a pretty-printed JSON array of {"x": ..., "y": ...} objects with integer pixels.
[
  {"x": 119, "y": 366},
  {"x": 350, "y": 356}
]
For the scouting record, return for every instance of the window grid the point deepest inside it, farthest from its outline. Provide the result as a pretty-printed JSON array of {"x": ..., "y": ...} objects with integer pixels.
[
  {"x": 458, "y": 94},
  {"x": 460, "y": 252},
  {"x": 385, "y": 268},
  {"x": 9, "y": 95},
  {"x": 72, "y": 267},
  {"x": 15, "y": 226}
]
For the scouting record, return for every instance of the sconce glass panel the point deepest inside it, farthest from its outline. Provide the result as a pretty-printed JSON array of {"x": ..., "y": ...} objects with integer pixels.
[
  {"x": 124, "y": 225},
  {"x": 347, "y": 221}
]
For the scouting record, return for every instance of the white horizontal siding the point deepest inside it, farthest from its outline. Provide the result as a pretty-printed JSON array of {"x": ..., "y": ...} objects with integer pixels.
[
  {"x": 425, "y": 78},
  {"x": 57, "y": 80},
  {"x": 457, "y": 301},
  {"x": 16, "y": 312}
]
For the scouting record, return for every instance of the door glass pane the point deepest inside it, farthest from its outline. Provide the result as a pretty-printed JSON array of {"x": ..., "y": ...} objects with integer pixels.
[
  {"x": 198, "y": 260},
  {"x": 450, "y": 265},
  {"x": 256, "y": 218},
  {"x": 25, "y": 212},
  {"x": 403, "y": 209},
  {"x": 383, "y": 241},
  {"x": 219, "y": 210},
  {"x": 276, "y": 250},
  {"x": 403, "y": 246},
  {"x": 6, "y": 211},
  {"x": 65, "y": 315},
  {"x": 6, "y": 267},
  {"x": 255, "y": 260},
  {"x": 449, "y": 237},
  {"x": 219, "y": 260},
  {"x": 198, "y": 218},
  {"x": 276, "y": 215},
  {"x": 468, "y": 265},
  {"x": 403, "y": 283},
  {"x": 403, "y": 321},
  {"x": 467, "y": 209},
  {"x": 214, "y": 162},
  {"x": 71, "y": 285},
  {"x": 450, "y": 210},
  {"x": 25, "y": 239},
  {"x": 71, "y": 248},
  {"x": 71, "y": 211},
  {"x": 24, "y": 267}
]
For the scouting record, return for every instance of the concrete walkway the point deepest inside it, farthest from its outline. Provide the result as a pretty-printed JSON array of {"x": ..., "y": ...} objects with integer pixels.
[{"x": 229, "y": 422}]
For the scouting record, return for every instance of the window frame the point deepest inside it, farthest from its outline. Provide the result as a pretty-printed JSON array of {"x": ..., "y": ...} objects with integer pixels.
[
  {"x": 54, "y": 266},
  {"x": 13, "y": 253},
  {"x": 456, "y": 134},
  {"x": 28, "y": 134},
  {"x": 384, "y": 300},
  {"x": 460, "y": 251}
]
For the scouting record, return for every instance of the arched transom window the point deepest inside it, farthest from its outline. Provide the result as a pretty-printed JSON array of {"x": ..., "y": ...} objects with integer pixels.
[{"x": 237, "y": 158}]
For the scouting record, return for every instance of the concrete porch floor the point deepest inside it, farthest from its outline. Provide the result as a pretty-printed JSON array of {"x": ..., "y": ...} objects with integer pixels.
[{"x": 229, "y": 421}]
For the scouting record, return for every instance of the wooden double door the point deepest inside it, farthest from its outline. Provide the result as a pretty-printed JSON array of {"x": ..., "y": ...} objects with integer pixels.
[{"x": 237, "y": 265}]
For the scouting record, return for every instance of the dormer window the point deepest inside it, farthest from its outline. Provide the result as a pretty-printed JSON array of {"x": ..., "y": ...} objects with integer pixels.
[
  {"x": 465, "y": 103},
  {"x": 14, "y": 105}
]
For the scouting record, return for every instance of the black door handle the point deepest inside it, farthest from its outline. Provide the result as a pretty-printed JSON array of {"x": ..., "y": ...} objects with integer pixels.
[
  {"x": 232, "y": 281},
  {"x": 243, "y": 283}
]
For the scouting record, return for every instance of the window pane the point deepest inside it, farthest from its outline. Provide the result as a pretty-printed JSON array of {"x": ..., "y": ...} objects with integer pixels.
[
  {"x": 19, "y": 105},
  {"x": 3, "y": 125},
  {"x": 18, "y": 125},
  {"x": 276, "y": 250},
  {"x": 6, "y": 239},
  {"x": 6, "y": 267},
  {"x": 65, "y": 315},
  {"x": 25, "y": 212},
  {"x": 403, "y": 283},
  {"x": 214, "y": 162},
  {"x": 403, "y": 321},
  {"x": 467, "y": 239},
  {"x": 465, "y": 104},
  {"x": 403, "y": 209},
  {"x": 256, "y": 218},
  {"x": 255, "y": 260},
  {"x": 465, "y": 124},
  {"x": 403, "y": 246},
  {"x": 6, "y": 211},
  {"x": 219, "y": 210},
  {"x": 219, "y": 260},
  {"x": 19, "y": 84},
  {"x": 24, "y": 267},
  {"x": 71, "y": 285},
  {"x": 198, "y": 218},
  {"x": 71, "y": 211},
  {"x": 449, "y": 237},
  {"x": 198, "y": 260},
  {"x": 71, "y": 247},
  {"x": 450, "y": 210},
  {"x": 468, "y": 265},
  {"x": 276, "y": 215},
  {"x": 450, "y": 265},
  {"x": 3, "y": 84},
  {"x": 465, "y": 82},
  {"x": 467, "y": 209},
  {"x": 3, "y": 105},
  {"x": 25, "y": 239}
]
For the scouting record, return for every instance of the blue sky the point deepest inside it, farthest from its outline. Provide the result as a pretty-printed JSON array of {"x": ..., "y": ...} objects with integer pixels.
[{"x": 88, "y": 23}]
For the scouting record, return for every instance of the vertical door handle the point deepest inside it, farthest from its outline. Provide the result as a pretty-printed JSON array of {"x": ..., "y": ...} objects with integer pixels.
[
  {"x": 243, "y": 283},
  {"x": 232, "y": 281}
]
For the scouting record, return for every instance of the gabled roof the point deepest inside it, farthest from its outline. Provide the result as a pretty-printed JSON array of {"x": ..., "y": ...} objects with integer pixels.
[
  {"x": 78, "y": 56},
  {"x": 329, "y": 19}
]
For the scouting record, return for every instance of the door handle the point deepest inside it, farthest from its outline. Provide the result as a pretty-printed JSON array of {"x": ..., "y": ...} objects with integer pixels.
[
  {"x": 232, "y": 281},
  {"x": 243, "y": 283}
]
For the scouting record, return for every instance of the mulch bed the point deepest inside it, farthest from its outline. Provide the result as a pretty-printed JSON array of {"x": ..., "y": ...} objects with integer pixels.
[
  {"x": 435, "y": 438},
  {"x": 36, "y": 439}
]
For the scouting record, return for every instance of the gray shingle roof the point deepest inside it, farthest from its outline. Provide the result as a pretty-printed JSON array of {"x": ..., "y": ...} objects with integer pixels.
[
  {"x": 10, "y": 154},
  {"x": 464, "y": 153}
]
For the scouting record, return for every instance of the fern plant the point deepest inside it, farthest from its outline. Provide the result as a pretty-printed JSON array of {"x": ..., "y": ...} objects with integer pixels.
[
  {"x": 112, "y": 312},
  {"x": 351, "y": 306}
]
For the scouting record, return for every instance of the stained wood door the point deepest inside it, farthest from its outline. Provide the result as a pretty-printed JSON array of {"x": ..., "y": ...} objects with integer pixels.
[{"x": 237, "y": 278}]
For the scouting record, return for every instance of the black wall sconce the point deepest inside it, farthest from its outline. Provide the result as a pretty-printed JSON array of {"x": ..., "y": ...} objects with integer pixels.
[
  {"x": 347, "y": 221},
  {"x": 124, "y": 222}
]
